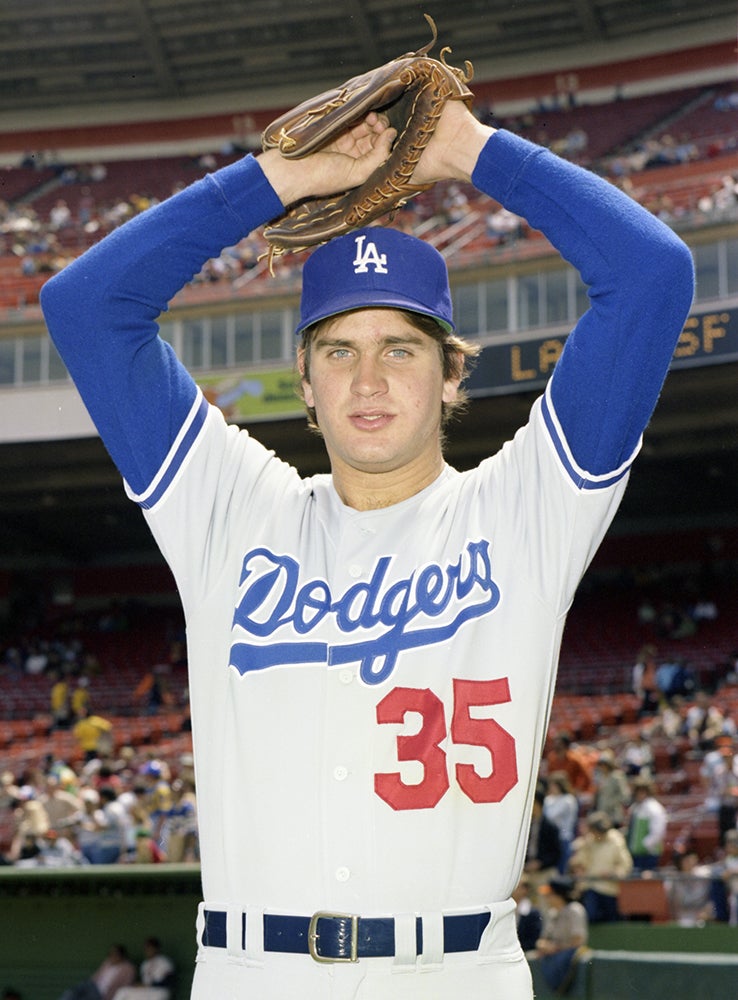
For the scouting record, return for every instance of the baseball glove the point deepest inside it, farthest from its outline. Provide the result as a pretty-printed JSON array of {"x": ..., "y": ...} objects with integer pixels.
[{"x": 411, "y": 92}]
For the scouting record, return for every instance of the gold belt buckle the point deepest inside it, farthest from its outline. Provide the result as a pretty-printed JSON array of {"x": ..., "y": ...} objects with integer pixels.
[{"x": 314, "y": 935}]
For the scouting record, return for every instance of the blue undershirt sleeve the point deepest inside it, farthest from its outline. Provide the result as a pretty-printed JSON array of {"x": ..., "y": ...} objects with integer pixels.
[
  {"x": 102, "y": 311},
  {"x": 640, "y": 280}
]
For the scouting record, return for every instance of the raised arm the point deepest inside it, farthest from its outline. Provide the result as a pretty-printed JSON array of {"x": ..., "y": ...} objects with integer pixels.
[
  {"x": 639, "y": 273},
  {"x": 102, "y": 310}
]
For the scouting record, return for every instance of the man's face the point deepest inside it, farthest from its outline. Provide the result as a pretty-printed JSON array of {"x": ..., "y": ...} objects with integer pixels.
[{"x": 377, "y": 386}]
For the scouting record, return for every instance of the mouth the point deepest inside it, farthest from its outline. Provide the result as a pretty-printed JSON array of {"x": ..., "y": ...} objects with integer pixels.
[{"x": 370, "y": 420}]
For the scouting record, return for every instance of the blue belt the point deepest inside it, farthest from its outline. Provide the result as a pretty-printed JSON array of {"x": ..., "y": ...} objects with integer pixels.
[{"x": 342, "y": 937}]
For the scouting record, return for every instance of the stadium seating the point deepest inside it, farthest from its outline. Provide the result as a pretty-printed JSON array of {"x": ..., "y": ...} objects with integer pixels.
[{"x": 690, "y": 115}]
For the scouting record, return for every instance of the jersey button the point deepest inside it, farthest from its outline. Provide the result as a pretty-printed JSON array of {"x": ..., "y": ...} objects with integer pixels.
[
  {"x": 346, "y": 676},
  {"x": 340, "y": 773},
  {"x": 354, "y": 571},
  {"x": 342, "y": 874}
]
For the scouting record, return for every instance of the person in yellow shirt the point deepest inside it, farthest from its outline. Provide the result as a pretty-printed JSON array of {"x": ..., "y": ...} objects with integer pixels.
[
  {"x": 80, "y": 699},
  {"x": 60, "y": 703},
  {"x": 94, "y": 735},
  {"x": 599, "y": 860}
]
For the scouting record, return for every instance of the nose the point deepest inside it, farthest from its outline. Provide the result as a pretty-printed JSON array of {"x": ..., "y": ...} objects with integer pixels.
[{"x": 368, "y": 377}]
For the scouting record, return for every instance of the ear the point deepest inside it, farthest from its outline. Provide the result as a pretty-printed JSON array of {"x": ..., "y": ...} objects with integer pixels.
[
  {"x": 451, "y": 390},
  {"x": 307, "y": 392},
  {"x": 454, "y": 366}
]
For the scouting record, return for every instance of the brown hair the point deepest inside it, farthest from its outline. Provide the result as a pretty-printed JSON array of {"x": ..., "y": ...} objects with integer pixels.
[{"x": 457, "y": 359}]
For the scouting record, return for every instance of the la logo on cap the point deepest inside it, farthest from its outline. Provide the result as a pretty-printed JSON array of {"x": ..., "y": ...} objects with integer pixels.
[{"x": 366, "y": 255}]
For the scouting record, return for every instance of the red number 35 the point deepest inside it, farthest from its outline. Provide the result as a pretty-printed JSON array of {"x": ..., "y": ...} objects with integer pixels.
[{"x": 425, "y": 745}]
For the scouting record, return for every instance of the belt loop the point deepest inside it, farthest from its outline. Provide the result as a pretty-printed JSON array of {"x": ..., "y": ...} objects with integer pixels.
[
  {"x": 200, "y": 924},
  {"x": 234, "y": 933},
  {"x": 406, "y": 949},
  {"x": 432, "y": 955},
  {"x": 254, "y": 935}
]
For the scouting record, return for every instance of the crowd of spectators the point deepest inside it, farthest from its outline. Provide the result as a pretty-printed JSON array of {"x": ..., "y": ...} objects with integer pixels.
[
  {"x": 106, "y": 802},
  {"x": 44, "y": 241},
  {"x": 600, "y": 817},
  {"x": 118, "y": 978},
  {"x": 111, "y": 809},
  {"x": 602, "y": 813}
]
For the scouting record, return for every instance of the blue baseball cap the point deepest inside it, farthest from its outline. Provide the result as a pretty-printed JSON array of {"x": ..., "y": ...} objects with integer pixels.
[{"x": 374, "y": 267}]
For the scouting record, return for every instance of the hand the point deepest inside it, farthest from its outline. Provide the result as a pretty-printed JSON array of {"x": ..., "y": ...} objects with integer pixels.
[
  {"x": 454, "y": 147},
  {"x": 343, "y": 164}
]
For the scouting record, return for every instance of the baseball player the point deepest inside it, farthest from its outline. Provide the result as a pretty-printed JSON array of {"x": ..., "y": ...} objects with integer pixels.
[{"x": 372, "y": 652}]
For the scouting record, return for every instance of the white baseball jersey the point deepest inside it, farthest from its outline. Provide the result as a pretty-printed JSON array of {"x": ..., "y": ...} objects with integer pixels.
[{"x": 370, "y": 690}]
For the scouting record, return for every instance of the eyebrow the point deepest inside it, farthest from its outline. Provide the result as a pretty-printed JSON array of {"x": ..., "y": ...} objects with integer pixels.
[{"x": 390, "y": 340}]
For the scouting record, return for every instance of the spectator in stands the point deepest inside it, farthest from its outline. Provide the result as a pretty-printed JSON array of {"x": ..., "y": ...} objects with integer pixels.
[
  {"x": 690, "y": 891},
  {"x": 115, "y": 971},
  {"x": 676, "y": 679},
  {"x": 111, "y": 835},
  {"x": 727, "y": 871},
  {"x": 85, "y": 207},
  {"x": 600, "y": 859},
  {"x": 670, "y": 719},
  {"x": 455, "y": 204},
  {"x": 156, "y": 775},
  {"x": 64, "y": 809},
  {"x": 102, "y": 772},
  {"x": 543, "y": 859},
  {"x": 179, "y": 828},
  {"x": 705, "y": 721},
  {"x": 646, "y": 826},
  {"x": 9, "y": 791},
  {"x": 504, "y": 227},
  {"x": 94, "y": 735},
  {"x": 147, "y": 850},
  {"x": 645, "y": 684},
  {"x": 716, "y": 772},
  {"x": 134, "y": 799},
  {"x": 60, "y": 215},
  {"x": 80, "y": 698},
  {"x": 157, "y": 974},
  {"x": 58, "y": 851},
  {"x": 91, "y": 803},
  {"x": 529, "y": 919},
  {"x": 31, "y": 823},
  {"x": 612, "y": 791},
  {"x": 59, "y": 702},
  {"x": 151, "y": 690},
  {"x": 572, "y": 760},
  {"x": 564, "y": 937},
  {"x": 637, "y": 756},
  {"x": 36, "y": 659},
  {"x": 560, "y": 806},
  {"x": 11, "y": 994}
]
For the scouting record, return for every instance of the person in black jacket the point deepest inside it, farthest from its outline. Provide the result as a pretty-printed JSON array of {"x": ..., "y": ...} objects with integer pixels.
[
  {"x": 529, "y": 918},
  {"x": 544, "y": 847}
]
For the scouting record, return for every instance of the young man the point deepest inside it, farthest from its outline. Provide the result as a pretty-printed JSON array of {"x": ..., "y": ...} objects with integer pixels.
[{"x": 373, "y": 652}]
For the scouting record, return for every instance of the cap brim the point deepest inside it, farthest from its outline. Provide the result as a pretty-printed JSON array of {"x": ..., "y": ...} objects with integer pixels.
[{"x": 348, "y": 303}]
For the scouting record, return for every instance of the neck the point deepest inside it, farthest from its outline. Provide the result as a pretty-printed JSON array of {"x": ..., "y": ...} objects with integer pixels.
[{"x": 366, "y": 490}]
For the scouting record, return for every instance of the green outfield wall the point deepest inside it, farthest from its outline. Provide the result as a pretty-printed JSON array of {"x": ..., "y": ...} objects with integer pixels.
[{"x": 57, "y": 924}]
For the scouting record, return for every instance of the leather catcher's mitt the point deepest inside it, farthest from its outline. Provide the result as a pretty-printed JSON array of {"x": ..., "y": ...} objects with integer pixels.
[{"x": 411, "y": 92}]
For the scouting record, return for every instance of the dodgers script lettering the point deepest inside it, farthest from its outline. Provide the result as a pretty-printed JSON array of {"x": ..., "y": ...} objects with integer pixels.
[{"x": 280, "y": 620}]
